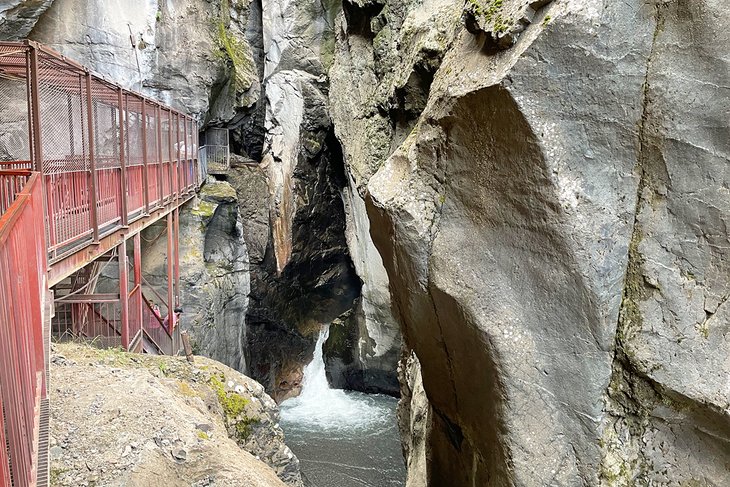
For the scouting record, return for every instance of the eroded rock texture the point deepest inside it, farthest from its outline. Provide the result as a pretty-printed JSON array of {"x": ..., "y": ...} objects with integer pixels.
[
  {"x": 215, "y": 281},
  {"x": 551, "y": 210},
  {"x": 191, "y": 54},
  {"x": 309, "y": 279}
]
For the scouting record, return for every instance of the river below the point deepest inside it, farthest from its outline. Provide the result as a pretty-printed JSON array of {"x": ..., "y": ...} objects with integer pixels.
[{"x": 342, "y": 438}]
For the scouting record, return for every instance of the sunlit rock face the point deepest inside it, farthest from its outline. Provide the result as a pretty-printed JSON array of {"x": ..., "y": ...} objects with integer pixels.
[{"x": 545, "y": 187}]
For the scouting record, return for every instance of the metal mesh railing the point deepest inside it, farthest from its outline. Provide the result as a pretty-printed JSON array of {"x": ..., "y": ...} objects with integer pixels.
[
  {"x": 106, "y": 155},
  {"x": 14, "y": 123},
  {"x": 22, "y": 352},
  {"x": 215, "y": 152}
]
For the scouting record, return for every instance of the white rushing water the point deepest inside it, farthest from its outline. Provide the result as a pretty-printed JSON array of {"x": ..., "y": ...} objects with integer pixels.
[
  {"x": 323, "y": 408},
  {"x": 342, "y": 438}
]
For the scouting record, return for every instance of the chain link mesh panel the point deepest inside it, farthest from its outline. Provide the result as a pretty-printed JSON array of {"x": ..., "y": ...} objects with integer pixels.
[
  {"x": 15, "y": 141},
  {"x": 73, "y": 120},
  {"x": 65, "y": 151},
  {"x": 217, "y": 152}
]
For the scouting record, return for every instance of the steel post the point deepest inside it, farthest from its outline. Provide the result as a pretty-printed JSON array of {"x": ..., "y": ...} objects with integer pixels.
[
  {"x": 138, "y": 303},
  {"x": 170, "y": 272},
  {"x": 145, "y": 180},
  {"x": 123, "y": 120},
  {"x": 124, "y": 292},
  {"x": 176, "y": 244},
  {"x": 160, "y": 173},
  {"x": 92, "y": 161}
]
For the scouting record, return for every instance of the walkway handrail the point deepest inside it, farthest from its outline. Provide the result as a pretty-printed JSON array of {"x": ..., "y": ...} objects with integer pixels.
[
  {"x": 22, "y": 350},
  {"x": 108, "y": 157}
]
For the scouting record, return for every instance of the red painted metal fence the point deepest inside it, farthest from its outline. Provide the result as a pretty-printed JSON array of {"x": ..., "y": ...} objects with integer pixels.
[
  {"x": 106, "y": 162},
  {"x": 22, "y": 354},
  {"x": 107, "y": 156}
]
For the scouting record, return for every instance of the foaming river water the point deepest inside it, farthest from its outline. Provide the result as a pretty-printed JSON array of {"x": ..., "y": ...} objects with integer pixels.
[{"x": 342, "y": 438}]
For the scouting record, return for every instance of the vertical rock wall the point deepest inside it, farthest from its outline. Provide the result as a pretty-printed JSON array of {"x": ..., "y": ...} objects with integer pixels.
[
  {"x": 312, "y": 280},
  {"x": 215, "y": 281},
  {"x": 544, "y": 183}
]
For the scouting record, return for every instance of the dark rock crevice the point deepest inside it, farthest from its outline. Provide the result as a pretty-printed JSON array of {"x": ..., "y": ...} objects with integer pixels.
[{"x": 317, "y": 285}]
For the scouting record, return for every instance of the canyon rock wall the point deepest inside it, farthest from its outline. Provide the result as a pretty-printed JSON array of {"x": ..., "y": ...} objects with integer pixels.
[
  {"x": 313, "y": 280},
  {"x": 215, "y": 281},
  {"x": 211, "y": 59},
  {"x": 545, "y": 183}
]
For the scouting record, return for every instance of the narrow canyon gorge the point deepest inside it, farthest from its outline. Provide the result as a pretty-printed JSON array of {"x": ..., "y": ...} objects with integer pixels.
[{"x": 511, "y": 215}]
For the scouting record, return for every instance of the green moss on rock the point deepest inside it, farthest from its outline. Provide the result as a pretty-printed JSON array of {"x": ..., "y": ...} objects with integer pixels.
[{"x": 204, "y": 209}]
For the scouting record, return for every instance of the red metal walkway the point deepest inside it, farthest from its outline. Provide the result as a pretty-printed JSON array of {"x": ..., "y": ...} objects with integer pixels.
[{"x": 85, "y": 166}]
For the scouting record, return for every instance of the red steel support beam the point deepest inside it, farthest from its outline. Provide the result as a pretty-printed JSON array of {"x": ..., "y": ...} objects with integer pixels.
[
  {"x": 170, "y": 272},
  {"x": 123, "y": 120},
  {"x": 176, "y": 219},
  {"x": 124, "y": 292},
  {"x": 177, "y": 154},
  {"x": 171, "y": 171},
  {"x": 138, "y": 303},
  {"x": 188, "y": 164},
  {"x": 92, "y": 160},
  {"x": 34, "y": 107},
  {"x": 160, "y": 174}
]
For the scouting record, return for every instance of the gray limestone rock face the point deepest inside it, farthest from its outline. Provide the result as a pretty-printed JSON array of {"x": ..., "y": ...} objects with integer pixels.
[
  {"x": 674, "y": 338},
  {"x": 191, "y": 54},
  {"x": 414, "y": 419},
  {"x": 362, "y": 348},
  {"x": 214, "y": 276},
  {"x": 299, "y": 41},
  {"x": 18, "y": 17},
  {"x": 551, "y": 219}
]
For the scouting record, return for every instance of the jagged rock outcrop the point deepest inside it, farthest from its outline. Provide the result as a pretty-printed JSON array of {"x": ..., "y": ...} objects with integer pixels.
[
  {"x": 414, "y": 419},
  {"x": 317, "y": 285},
  {"x": 214, "y": 263},
  {"x": 550, "y": 213},
  {"x": 306, "y": 277},
  {"x": 140, "y": 420},
  {"x": 364, "y": 345},
  {"x": 18, "y": 17}
]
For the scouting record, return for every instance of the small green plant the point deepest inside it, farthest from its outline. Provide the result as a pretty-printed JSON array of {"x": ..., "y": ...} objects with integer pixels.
[
  {"x": 55, "y": 475},
  {"x": 243, "y": 428},
  {"x": 158, "y": 16},
  {"x": 547, "y": 19},
  {"x": 163, "y": 368},
  {"x": 202, "y": 435},
  {"x": 234, "y": 406}
]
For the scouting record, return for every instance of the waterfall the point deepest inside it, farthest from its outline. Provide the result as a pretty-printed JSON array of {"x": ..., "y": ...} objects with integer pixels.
[
  {"x": 342, "y": 437},
  {"x": 321, "y": 407},
  {"x": 315, "y": 379}
]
